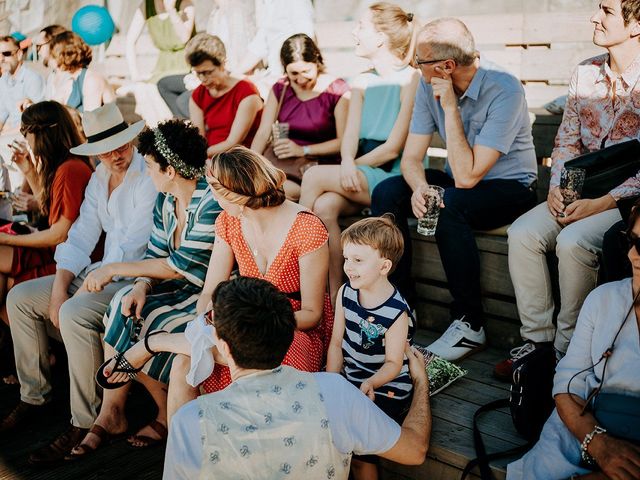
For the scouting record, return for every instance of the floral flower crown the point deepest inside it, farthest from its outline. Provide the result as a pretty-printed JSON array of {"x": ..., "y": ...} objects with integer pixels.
[{"x": 186, "y": 171}]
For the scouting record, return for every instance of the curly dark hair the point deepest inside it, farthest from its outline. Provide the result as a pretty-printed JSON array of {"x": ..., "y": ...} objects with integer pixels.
[
  {"x": 70, "y": 52},
  {"x": 255, "y": 319},
  {"x": 183, "y": 138},
  {"x": 55, "y": 133}
]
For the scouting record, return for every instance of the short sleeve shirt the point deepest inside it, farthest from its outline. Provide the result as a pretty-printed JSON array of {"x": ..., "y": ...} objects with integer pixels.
[
  {"x": 357, "y": 425},
  {"x": 220, "y": 112},
  {"x": 494, "y": 114},
  {"x": 67, "y": 193}
]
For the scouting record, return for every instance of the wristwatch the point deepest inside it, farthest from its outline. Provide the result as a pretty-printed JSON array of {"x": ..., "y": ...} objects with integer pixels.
[
  {"x": 584, "y": 454},
  {"x": 306, "y": 151}
]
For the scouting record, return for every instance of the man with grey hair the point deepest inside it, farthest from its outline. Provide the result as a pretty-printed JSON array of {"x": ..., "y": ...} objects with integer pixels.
[{"x": 481, "y": 113}]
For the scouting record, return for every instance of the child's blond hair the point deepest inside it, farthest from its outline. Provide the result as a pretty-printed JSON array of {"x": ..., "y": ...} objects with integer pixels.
[{"x": 379, "y": 233}]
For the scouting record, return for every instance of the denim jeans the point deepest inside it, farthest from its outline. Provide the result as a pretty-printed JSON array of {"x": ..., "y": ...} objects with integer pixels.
[{"x": 490, "y": 204}]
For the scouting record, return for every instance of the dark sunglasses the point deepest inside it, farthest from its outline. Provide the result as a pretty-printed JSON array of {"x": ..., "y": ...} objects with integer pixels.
[
  {"x": 633, "y": 241},
  {"x": 208, "y": 317}
]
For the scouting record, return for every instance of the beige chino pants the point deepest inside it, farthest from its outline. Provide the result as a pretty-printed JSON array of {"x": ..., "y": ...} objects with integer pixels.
[
  {"x": 577, "y": 246},
  {"x": 81, "y": 326}
]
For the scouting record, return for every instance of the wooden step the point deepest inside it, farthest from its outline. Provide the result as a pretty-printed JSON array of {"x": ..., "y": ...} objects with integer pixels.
[{"x": 452, "y": 411}]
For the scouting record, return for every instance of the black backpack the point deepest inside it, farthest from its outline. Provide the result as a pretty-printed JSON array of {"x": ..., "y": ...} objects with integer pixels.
[{"x": 530, "y": 403}]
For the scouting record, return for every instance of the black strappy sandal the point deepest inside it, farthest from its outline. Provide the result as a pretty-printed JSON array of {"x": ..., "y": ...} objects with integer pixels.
[{"x": 123, "y": 366}]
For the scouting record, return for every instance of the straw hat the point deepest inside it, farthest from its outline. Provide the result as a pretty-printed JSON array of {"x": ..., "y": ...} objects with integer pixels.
[{"x": 106, "y": 131}]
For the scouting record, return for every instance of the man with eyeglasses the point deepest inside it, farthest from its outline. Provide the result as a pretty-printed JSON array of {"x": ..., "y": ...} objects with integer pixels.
[
  {"x": 19, "y": 85},
  {"x": 480, "y": 111},
  {"x": 118, "y": 203}
]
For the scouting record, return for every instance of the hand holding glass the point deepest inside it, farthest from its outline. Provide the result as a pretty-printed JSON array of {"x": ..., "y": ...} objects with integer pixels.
[
  {"x": 571, "y": 182},
  {"x": 280, "y": 130},
  {"x": 433, "y": 198}
]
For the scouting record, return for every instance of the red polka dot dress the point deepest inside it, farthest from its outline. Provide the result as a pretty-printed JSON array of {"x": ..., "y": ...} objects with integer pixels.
[{"x": 307, "y": 234}]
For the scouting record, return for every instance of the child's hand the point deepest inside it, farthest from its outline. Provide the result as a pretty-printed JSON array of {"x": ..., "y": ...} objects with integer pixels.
[{"x": 368, "y": 390}]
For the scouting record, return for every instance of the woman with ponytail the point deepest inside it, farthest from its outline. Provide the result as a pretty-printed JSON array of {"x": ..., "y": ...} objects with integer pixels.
[{"x": 377, "y": 125}]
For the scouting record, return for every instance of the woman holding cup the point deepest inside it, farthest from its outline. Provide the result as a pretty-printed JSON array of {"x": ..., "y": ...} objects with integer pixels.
[
  {"x": 305, "y": 114},
  {"x": 57, "y": 180}
]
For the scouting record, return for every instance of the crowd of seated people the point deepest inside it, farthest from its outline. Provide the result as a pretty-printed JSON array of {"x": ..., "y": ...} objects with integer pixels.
[{"x": 133, "y": 262}]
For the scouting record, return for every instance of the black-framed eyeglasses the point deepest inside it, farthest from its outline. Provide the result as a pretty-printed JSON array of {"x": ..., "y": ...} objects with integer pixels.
[
  {"x": 427, "y": 62},
  {"x": 203, "y": 73},
  {"x": 9, "y": 53}
]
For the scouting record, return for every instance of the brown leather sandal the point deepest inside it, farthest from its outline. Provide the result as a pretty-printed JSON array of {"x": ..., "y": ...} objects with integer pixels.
[
  {"x": 157, "y": 427},
  {"x": 85, "y": 449}
]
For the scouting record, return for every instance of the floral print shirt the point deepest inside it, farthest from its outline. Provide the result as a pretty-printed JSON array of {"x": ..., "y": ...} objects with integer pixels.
[{"x": 602, "y": 109}]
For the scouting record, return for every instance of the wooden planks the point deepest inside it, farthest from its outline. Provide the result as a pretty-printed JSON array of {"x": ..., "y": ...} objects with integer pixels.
[{"x": 452, "y": 410}]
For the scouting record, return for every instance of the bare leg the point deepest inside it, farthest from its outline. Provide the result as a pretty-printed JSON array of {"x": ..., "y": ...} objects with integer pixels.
[
  {"x": 111, "y": 416},
  {"x": 323, "y": 193},
  {"x": 363, "y": 470},
  {"x": 329, "y": 206},
  {"x": 180, "y": 392},
  {"x": 292, "y": 190},
  {"x": 158, "y": 391}
]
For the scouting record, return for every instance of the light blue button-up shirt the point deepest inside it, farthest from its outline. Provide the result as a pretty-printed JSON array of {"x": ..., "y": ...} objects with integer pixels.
[
  {"x": 494, "y": 114},
  {"x": 14, "y": 89}
]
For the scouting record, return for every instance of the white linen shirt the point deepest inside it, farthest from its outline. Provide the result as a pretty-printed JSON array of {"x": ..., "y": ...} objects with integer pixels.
[{"x": 126, "y": 217}]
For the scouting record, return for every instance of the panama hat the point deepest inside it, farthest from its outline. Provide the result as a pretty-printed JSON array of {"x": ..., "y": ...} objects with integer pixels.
[{"x": 106, "y": 131}]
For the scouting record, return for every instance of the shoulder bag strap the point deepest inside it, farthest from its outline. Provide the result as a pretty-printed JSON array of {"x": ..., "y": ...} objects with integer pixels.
[
  {"x": 482, "y": 458},
  {"x": 281, "y": 99}
]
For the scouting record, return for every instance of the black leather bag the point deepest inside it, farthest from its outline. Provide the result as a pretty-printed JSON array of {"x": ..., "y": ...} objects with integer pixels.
[
  {"x": 607, "y": 168},
  {"x": 530, "y": 403}
]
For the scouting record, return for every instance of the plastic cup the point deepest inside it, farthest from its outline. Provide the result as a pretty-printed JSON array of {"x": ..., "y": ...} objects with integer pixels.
[{"x": 433, "y": 197}]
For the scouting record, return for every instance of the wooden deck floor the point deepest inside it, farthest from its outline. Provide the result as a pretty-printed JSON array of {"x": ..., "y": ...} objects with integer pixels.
[
  {"x": 451, "y": 447},
  {"x": 118, "y": 461},
  {"x": 452, "y": 409}
]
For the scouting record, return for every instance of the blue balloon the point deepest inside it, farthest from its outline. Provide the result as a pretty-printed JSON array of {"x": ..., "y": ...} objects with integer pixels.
[{"x": 94, "y": 24}]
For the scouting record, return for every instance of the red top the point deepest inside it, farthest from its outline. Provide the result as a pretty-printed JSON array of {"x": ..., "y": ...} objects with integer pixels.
[
  {"x": 67, "y": 192},
  {"x": 219, "y": 112},
  {"x": 307, "y": 234}
]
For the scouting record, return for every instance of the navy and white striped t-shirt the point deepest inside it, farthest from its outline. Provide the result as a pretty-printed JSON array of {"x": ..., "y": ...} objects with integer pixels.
[{"x": 363, "y": 345}]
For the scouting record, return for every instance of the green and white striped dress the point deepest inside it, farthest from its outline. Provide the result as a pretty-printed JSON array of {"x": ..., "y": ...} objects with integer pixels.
[{"x": 171, "y": 303}]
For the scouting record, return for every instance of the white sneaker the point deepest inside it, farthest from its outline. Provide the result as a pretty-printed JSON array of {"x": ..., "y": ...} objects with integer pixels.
[{"x": 459, "y": 341}]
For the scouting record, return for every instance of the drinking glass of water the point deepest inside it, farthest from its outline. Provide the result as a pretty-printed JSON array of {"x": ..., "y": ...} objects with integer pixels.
[
  {"x": 571, "y": 182},
  {"x": 280, "y": 130},
  {"x": 433, "y": 198}
]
